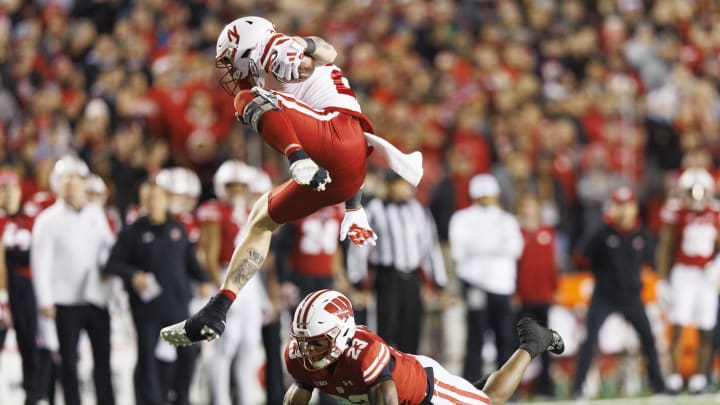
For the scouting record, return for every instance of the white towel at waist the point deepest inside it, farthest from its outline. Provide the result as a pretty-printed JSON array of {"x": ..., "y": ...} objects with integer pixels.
[{"x": 407, "y": 165}]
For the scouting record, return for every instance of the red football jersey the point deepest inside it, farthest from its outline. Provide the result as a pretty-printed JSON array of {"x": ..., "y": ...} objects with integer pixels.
[
  {"x": 17, "y": 238},
  {"x": 192, "y": 228},
  {"x": 230, "y": 220},
  {"x": 3, "y": 220},
  {"x": 316, "y": 241},
  {"x": 38, "y": 202},
  {"x": 351, "y": 375},
  {"x": 697, "y": 232}
]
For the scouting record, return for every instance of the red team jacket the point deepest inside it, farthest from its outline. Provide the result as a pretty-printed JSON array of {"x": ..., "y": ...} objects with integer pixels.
[{"x": 363, "y": 364}]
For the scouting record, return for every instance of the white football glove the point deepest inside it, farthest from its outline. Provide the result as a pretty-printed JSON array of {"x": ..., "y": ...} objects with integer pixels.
[
  {"x": 281, "y": 56},
  {"x": 307, "y": 173},
  {"x": 355, "y": 225}
]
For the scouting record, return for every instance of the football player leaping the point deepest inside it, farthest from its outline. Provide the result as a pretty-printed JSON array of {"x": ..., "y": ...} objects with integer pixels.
[{"x": 321, "y": 136}]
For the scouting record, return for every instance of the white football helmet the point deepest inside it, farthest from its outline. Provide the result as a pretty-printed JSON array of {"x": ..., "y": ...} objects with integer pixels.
[
  {"x": 194, "y": 186},
  {"x": 261, "y": 184},
  {"x": 238, "y": 51},
  {"x": 697, "y": 187},
  {"x": 164, "y": 179},
  {"x": 67, "y": 165},
  {"x": 95, "y": 184},
  {"x": 323, "y": 315},
  {"x": 231, "y": 171}
]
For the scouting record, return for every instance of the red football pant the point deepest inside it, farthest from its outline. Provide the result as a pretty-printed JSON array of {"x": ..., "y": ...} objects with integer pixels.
[{"x": 333, "y": 139}]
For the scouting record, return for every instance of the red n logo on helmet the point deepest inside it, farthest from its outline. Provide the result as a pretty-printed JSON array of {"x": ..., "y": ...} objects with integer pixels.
[
  {"x": 233, "y": 35},
  {"x": 340, "y": 306}
]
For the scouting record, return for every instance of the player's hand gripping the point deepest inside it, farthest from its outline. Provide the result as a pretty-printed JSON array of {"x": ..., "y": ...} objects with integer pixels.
[
  {"x": 355, "y": 225},
  {"x": 281, "y": 56},
  {"x": 206, "y": 324},
  {"x": 306, "y": 172}
]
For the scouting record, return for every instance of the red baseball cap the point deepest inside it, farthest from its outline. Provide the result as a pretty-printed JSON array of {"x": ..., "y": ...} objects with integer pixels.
[{"x": 623, "y": 194}]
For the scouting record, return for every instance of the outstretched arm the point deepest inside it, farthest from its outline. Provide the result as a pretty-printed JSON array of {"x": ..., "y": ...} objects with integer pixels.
[
  {"x": 297, "y": 395},
  {"x": 665, "y": 250},
  {"x": 383, "y": 393}
]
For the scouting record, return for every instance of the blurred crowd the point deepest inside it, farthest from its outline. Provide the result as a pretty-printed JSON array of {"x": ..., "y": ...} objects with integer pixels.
[{"x": 561, "y": 100}]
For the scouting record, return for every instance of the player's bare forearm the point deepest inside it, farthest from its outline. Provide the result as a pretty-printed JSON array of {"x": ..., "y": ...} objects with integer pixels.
[
  {"x": 242, "y": 267},
  {"x": 502, "y": 383},
  {"x": 296, "y": 395},
  {"x": 3, "y": 270},
  {"x": 665, "y": 250},
  {"x": 323, "y": 53},
  {"x": 384, "y": 393}
]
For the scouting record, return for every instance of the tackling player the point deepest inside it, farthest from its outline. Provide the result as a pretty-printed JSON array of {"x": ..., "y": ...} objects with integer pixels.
[
  {"x": 689, "y": 241},
  {"x": 322, "y": 135},
  {"x": 329, "y": 352}
]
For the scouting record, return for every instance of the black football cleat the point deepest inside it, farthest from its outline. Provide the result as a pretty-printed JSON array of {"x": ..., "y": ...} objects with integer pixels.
[{"x": 558, "y": 345}]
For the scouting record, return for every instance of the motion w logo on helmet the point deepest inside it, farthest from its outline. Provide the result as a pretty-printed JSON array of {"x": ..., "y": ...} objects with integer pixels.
[{"x": 340, "y": 306}]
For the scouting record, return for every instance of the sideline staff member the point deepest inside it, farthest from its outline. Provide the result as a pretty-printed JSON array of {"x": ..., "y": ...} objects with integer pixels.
[
  {"x": 617, "y": 251},
  {"x": 154, "y": 253}
]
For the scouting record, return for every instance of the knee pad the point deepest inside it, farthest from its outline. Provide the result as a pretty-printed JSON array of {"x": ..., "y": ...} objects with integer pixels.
[{"x": 253, "y": 104}]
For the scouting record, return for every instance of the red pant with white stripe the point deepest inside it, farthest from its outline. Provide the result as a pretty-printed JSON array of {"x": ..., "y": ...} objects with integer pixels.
[
  {"x": 450, "y": 389},
  {"x": 334, "y": 139}
]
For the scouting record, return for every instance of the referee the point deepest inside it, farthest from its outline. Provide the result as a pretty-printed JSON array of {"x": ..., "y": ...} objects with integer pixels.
[
  {"x": 617, "y": 251},
  {"x": 407, "y": 245}
]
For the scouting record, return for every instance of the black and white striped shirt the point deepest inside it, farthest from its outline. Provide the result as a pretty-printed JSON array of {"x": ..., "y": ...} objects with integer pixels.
[{"x": 407, "y": 241}]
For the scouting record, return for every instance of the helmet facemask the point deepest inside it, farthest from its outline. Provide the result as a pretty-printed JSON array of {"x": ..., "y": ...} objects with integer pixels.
[
  {"x": 697, "y": 186},
  {"x": 231, "y": 80}
]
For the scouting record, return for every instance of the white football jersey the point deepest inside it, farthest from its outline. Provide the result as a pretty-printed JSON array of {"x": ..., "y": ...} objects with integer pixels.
[{"x": 325, "y": 88}]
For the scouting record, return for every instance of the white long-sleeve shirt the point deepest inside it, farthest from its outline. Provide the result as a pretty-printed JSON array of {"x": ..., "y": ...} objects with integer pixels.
[
  {"x": 485, "y": 243},
  {"x": 69, "y": 247}
]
